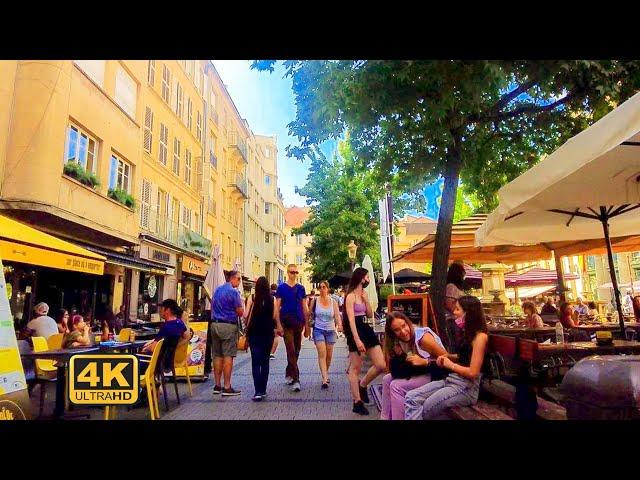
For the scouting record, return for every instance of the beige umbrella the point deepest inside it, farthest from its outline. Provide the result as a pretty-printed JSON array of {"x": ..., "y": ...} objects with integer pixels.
[
  {"x": 215, "y": 274},
  {"x": 587, "y": 190}
]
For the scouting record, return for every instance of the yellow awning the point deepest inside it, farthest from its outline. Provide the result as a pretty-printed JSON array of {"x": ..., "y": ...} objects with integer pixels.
[{"x": 24, "y": 244}]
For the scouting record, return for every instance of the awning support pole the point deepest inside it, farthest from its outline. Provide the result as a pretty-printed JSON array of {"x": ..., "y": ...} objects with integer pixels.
[
  {"x": 561, "y": 286},
  {"x": 604, "y": 218}
]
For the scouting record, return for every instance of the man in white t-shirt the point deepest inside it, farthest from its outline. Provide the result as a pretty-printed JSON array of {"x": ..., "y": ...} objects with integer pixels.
[{"x": 43, "y": 325}]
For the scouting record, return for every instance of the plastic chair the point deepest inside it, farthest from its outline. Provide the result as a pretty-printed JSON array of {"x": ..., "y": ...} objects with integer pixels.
[
  {"x": 148, "y": 381},
  {"x": 124, "y": 335},
  {"x": 55, "y": 341},
  {"x": 180, "y": 358},
  {"x": 46, "y": 370}
]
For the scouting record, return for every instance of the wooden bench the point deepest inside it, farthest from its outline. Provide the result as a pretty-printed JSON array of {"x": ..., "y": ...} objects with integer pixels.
[
  {"x": 479, "y": 411},
  {"x": 505, "y": 394}
]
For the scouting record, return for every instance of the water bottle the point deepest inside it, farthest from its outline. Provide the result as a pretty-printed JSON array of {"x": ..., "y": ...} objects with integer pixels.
[{"x": 559, "y": 333}]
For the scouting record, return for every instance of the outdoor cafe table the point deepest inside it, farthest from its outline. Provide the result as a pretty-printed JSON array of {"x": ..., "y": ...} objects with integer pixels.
[
  {"x": 611, "y": 326},
  {"x": 61, "y": 356},
  {"x": 122, "y": 346},
  {"x": 585, "y": 349},
  {"x": 521, "y": 331}
]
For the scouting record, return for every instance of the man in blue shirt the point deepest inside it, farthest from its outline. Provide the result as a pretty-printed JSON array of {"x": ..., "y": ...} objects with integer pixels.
[
  {"x": 172, "y": 330},
  {"x": 293, "y": 313},
  {"x": 227, "y": 306}
]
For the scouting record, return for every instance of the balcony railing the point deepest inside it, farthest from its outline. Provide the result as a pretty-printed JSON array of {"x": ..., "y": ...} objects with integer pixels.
[
  {"x": 240, "y": 184},
  {"x": 240, "y": 144},
  {"x": 167, "y": 229}
]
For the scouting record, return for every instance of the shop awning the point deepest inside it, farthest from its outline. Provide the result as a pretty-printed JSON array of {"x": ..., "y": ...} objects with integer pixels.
[
  {"x": 128, "y": 261},
  {"x": 24, "y": 244}
]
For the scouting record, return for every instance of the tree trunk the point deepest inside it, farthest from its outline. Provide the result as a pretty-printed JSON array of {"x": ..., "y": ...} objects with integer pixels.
[{"x": 443, "y": 241}]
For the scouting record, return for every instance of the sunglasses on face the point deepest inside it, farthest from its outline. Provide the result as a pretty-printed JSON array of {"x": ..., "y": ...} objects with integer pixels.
[{"x": 295, "y": 272}]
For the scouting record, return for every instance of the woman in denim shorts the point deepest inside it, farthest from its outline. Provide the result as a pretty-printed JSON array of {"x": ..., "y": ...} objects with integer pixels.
[{"x": 326, "y": 315}]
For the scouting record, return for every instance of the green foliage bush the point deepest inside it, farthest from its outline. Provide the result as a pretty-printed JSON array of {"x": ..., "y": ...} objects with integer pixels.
[{"x": 75, "y": 170}]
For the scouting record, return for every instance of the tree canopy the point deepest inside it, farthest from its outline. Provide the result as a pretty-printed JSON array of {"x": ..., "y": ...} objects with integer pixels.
[{"x": 483, "y": 122}]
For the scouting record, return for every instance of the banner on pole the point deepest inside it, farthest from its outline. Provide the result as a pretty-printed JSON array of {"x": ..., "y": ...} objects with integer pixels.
[{"x": 385, "y": 256}]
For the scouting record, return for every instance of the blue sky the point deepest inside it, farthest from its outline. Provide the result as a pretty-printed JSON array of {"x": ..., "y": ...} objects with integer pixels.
[{"x": 266, "y": 101}]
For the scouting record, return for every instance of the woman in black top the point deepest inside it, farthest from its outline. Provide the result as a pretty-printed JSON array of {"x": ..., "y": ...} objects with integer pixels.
[{"x": 261, "y": 329}]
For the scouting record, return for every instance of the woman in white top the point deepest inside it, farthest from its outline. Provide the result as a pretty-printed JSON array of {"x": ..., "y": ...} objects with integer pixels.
[
  {"x": 326, "y": 315},
  {"x": 410, "y": 348}
]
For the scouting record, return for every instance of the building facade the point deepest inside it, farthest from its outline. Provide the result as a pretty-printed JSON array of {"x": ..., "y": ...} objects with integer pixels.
[
  {"x": 295, "y": 246},
  {"x": 409, "y": 230},
  {"x": 143, "y": 161}
]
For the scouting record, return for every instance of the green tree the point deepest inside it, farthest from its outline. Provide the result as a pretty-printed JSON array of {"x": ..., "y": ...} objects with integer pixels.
[
  {"x": 343, "y": 200},
  {"x": 482, "y": 122}
]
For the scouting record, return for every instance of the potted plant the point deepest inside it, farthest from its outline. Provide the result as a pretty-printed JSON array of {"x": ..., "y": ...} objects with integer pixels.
[
  {"x": 74, "y": 170},
  {"x": 121, "y": 196}
]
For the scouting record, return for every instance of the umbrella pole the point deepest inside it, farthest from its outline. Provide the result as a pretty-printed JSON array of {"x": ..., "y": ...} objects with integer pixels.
[
  {"x": 604, "y": 218},
  {"x": 561, "y": 286}
]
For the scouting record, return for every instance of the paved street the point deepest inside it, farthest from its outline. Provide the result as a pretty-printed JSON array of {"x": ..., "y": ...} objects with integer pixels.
[{"x": 312, "y": 403}]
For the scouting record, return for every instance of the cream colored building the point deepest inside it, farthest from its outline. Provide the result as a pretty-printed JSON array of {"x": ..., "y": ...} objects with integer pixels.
[
  {"x": 409, "y": 230},
  {"x": 144, "y": 161},
  {"x": 295, "y": 246}
]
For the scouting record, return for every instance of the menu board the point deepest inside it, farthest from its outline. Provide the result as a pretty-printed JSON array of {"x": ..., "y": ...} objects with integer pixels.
[
  {"x": 14, "y": 399},
  {"x": 196, "y": 351},
  {"x": 417, "y": 307}
]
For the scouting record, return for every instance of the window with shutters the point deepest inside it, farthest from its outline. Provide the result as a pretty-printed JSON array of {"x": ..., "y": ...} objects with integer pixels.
[
  {"x": 145, "y": 206},
  {"x": 151, "y": 72},
  {"x": 81, "y": 148},
  {"x": 212, "y": 152},
  {"x": 267, "y": 208},
  {"x": 164, "y": 143},
  {"x": 187, "y": 166},
  {"x": 94, "y": 69},
  {"x": 148, "y": 129},
  {"x": 189, "y": 114},
  {"x": 176, "y": 156},
  {"x": 179, "y": 100},
  {"x": 166, "y": 84},
  {"x": 199, "y": 126},
  {"x": 126, "y": 92},
  {"x": 197, "y": 226},
  {"x": 119, "y": 174},
  {"x": 186, "y": 217}
]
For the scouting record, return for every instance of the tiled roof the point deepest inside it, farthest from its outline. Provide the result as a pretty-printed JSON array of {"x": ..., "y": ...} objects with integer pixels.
[{"x": 295, "y": 216}]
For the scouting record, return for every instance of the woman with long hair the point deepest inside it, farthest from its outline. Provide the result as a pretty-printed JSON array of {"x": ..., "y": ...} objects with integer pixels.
[
  {"x": 62, "y": 320},
  {"x": 78, "y": 335},
  {"x": 326, "y": 316},
  {"x": 407, "y": 351},
  {"x": 360, "y": 339},
  {"x": 532, "y": 319},
  {"x": 462, "y": 385},
  {"x": 261, "y": 329},
  {"x": 566, "y": 316},
  {"x": 636, "y": 307}
]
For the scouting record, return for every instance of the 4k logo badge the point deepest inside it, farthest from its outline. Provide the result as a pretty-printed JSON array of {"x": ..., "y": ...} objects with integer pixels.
[{"x": 103, "y": 379}]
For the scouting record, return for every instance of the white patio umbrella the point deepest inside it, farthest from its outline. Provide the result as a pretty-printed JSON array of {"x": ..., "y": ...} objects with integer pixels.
[
  {"x": 237, "y": 266},
  {"x": 371, "y": 288},
  {"x": 215, "y": 274},
  {"x": 587, "y": 190}
]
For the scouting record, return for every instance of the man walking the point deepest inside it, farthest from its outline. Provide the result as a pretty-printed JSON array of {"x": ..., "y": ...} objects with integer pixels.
[
  {"x": 293, "y": 313},
  {"x": 276, "y": 340},
  {"x": 226, "y": 307}
]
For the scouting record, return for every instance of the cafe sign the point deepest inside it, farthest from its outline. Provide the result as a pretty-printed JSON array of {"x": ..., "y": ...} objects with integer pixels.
[
  {"x": 194, "y": 266},
  {"x": 151, "y": 252}
]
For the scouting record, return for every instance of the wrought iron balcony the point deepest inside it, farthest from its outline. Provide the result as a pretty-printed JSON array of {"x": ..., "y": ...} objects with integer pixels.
[
  {"x": 240, "y": 184},
  {"x": 240, "y": 144}
]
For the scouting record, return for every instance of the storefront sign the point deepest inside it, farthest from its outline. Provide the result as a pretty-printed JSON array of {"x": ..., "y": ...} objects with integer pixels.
[
  {"x": 194, "y": 266},
  {"x": 49, "y": 258},
  {"x": 196, "y": 350},
  {"x": 157, "y": 254},
  {"x": 13, "y": 385}
]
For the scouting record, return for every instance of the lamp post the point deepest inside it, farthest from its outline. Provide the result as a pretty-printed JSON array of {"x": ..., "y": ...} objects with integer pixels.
[{"x": 352, "y": 248}]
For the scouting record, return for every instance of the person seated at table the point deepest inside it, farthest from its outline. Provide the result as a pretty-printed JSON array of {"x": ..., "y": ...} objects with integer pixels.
[
  {"x": 580, "y": 308},
  {"x": 566, "y": 316},
  {"x": 42, "y": 324},
  {"x": 592, "y": 312},
  {"x": 453, "y": 291},
  {"x": 172, "y": 329},
  {"x": 549, "y": 308},
  {"x": 62, "y": 320},
  {"x": 78, "y": 335},
  {"x": 407, "y": 351},
  {"x": 532, "y": 319},
  {"x": 462, "y": 386}
]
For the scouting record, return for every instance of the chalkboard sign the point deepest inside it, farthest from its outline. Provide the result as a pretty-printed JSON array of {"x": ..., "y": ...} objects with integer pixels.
[{"x": 415, "y": 306}]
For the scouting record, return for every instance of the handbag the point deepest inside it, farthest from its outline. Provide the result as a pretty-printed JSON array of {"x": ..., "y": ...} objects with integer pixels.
[{"x": 243, "y": 344}]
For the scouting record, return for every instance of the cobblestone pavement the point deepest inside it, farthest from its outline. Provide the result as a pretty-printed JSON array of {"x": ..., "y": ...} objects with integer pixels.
[{"x": 312, "y": 403}]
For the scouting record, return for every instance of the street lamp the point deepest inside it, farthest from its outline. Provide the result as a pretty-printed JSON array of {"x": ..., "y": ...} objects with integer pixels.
[{"x": 352, "y": 248}]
